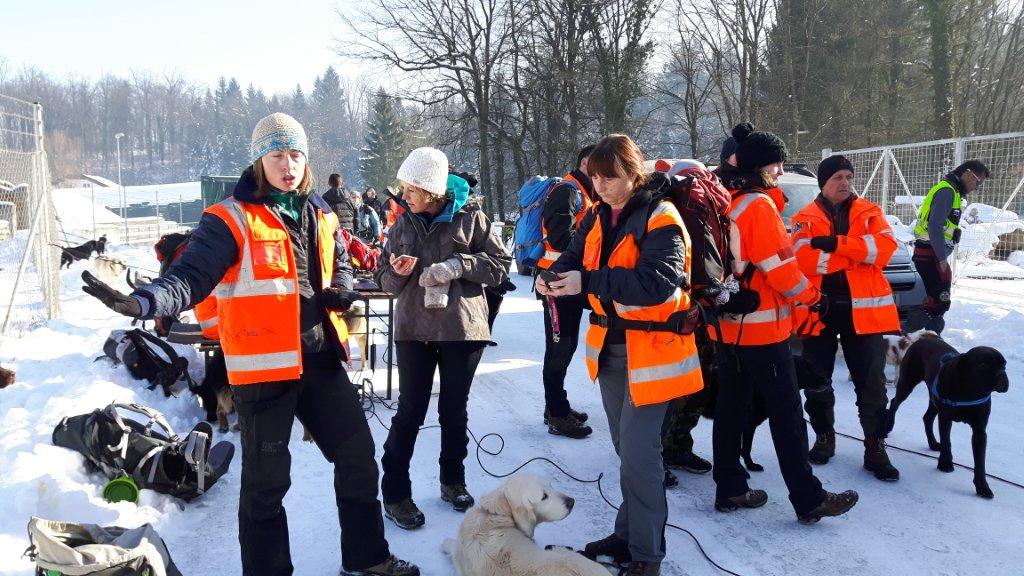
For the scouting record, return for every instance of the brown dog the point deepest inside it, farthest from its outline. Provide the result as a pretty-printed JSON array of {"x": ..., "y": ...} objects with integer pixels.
[{"x": 6, "y": 377}]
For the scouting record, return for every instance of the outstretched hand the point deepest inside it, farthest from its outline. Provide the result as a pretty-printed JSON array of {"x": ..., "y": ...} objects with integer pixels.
[{"x": 116, "y": 301}]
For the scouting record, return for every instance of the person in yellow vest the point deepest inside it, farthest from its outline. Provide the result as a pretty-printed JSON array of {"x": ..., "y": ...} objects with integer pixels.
[
  {"x": 273, "y": 255},
  {"x": 564, "y": 208},
  {"x": 842, "y": 244},
  {"x": 630, "y": 257},
  {"x": 936, "y": 234}
]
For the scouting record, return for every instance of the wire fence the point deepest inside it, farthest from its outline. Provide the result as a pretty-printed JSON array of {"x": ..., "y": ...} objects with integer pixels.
[
  {"x": 898, "y": 178},
  {"x": 29, "y": 256},
  {"x": 128, "y": 215}
]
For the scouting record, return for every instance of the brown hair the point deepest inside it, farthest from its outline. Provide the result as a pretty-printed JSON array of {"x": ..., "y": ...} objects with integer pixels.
[
  {"x": 617, "y": 156},
  {"x": 263, "y": 186},
  {"x": 431, "y": 198}
]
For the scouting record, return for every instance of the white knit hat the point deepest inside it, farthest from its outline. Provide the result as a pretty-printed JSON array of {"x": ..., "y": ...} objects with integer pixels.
[
  {"x": 426, "y": 168},
  {"x": 277, "y": 132},
  {"x": 684, "y": 166}
]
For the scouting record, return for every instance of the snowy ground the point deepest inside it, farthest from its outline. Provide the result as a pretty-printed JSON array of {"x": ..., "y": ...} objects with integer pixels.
[{"x": 927, "y": 523}]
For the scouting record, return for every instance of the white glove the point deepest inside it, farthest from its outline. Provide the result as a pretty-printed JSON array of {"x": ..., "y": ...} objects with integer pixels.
[{"x": 442, "y": 272}]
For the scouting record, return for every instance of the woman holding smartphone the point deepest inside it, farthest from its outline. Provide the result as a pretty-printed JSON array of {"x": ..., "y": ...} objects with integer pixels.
[{"x": 440, "y": 253}]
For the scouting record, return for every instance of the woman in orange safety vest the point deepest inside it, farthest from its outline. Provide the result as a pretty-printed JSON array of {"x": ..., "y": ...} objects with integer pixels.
[
  {"x": 273, "y": 255},
  {"x": 630, "y": 257}
]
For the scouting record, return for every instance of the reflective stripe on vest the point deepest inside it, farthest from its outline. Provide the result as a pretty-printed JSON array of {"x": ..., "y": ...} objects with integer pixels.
[
  {"x": 921, "y": 227},
  {"x": 206, "y": 315}
]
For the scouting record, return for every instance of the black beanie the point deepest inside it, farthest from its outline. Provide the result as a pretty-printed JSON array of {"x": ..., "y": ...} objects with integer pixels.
[
  {"x": 755, "y": 150},
  {"x": 728, "y": 149},
  {"x": 829, "y": 166}
]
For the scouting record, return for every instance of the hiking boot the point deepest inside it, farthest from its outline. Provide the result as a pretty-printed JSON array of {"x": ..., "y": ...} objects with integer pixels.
[
  {"x": 612, "y": 546},
  {"x": 568, "y": 426},
  {"x": 457, "y": 495},
  {"x": 581, "y": 416},
  {"x": 749, "y": 499},
  {"x": 823, "y": 449},
  {"x": 405, "y": 514},
  {"x": 687, "y": 461},
  {"x": 877, "y": 461},
  {"x": 643, "y": 569},
  {"x": 670, "y": 479},
  {"x": 833, "y": 505},
  {"x": 390, "y": 567}
]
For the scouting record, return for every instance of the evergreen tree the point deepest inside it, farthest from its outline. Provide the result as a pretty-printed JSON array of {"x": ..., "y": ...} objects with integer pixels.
[{"x": 385, "y": 143}]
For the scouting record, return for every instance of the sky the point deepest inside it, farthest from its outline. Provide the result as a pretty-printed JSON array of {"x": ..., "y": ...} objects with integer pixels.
[{"x": 273, "y": 44}]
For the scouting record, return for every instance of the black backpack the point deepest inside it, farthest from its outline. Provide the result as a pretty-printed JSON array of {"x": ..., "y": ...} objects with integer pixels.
[
  {"x": 147, "y": 357},
  {"x": 164, "y": 462}
]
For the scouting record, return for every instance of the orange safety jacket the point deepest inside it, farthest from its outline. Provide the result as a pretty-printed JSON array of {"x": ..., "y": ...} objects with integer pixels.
[
  {"x": 661, "y": 366},
  {"x": 550, "y": 254},
  {"x": 861, "y": 254},
  {"x": 206, "y": 315},
  {"x": 758, "y": 237},
  {"x": 258, "y": 297}
]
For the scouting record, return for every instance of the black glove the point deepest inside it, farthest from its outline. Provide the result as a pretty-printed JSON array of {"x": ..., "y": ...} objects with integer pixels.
[
  {"x": 111, "y": 298},
  {"x": 821, "y": 306},
  {"x": 956, "y": 235},
  {"x": 825, "y": 243},
  {"x": 339, "y": 299}
]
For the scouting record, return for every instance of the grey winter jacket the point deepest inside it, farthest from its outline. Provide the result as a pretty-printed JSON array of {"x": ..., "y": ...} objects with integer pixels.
[{"x": 468, "y": 236}]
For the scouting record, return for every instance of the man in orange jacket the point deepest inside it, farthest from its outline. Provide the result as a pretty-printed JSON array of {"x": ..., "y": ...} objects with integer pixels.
[
  {"x": 753, "y": 332},
  {"x": 842, "y": 244}
]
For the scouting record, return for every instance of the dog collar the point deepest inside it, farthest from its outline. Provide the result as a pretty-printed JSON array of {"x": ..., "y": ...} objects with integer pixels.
[{"x": 934, "y": 387}]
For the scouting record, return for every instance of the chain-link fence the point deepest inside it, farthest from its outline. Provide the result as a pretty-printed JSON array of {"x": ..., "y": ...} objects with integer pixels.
[
  {"x": 29, "y": 256},
  {"x": 899, "y": 177}
]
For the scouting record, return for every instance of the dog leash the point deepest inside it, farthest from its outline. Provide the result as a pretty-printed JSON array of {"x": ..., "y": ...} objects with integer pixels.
[{"x": 556, "y": 329}]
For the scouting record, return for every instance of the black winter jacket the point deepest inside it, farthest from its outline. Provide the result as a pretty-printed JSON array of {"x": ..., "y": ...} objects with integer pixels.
[
  {"x": 342, "y": 205},
  {"x": 212, "y": 250}
]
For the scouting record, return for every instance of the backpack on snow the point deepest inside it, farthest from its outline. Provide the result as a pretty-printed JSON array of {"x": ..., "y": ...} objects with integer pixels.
[
  {"x": 93, "y": 550},
  {"x": 529, "y": 239},
  {"x": 164, "y": 462},
  {"x": 147, "y": 357}
]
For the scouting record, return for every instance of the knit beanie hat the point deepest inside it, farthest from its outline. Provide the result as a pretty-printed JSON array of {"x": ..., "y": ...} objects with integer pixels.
[
  {"x": 426, "y": 168},
  {"x": 277, "y": 132},
  {"x": 728, "y": 149},
  {"x": 683, "y": 166},
  {"x": 755, "y": 150},
  {"x": 829, "y": 166}
]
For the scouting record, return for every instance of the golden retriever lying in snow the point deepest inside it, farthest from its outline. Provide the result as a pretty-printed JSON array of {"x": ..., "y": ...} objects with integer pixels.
[{"x": 496, "y": 537}]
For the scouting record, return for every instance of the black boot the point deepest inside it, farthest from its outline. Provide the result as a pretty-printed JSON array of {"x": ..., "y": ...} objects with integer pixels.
[
  {"x": 458, "y": 496},
  {"x": 390, "y": 567},
  {"x": 833, "y": 505},
  {"x": 581, "y": 416},
  {"x": 405, "y": 514},
  {"x": 749, "y": 499},
  {"x": 877, "y": 461},
  {"x": 613, "y": 546},
  {"x": 823, "y": 449},
  {"x": 687, "y": 461},
  {"x": 643, "y": 569},
  {"x": 568, "y": 426},
  {"x": 670, "y": 479}
]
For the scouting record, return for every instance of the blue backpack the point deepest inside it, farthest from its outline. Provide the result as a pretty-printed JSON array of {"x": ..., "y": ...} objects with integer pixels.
[{"x": 529, "y": 241}]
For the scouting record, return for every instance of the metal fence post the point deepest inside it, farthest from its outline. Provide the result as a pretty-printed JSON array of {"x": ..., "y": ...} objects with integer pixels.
[{"x": 886, "y": 160}]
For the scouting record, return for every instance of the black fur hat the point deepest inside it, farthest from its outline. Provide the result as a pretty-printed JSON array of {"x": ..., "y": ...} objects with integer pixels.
[{"x": 755, "y": 150}]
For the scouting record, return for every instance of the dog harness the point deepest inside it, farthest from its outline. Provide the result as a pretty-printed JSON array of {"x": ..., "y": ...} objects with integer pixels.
[{"x": 934, "y": 387}]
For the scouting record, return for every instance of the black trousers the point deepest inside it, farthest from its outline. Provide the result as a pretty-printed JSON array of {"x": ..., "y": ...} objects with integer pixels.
[
  {"x": 865, "y": 356},
  {"x": 325, "y": 402},
  {"x": 770, "y": 368},
  {"x": 937, "y": 285},
  {"x": 417, "y": 361},
  {"x": 558, "y": 355}
]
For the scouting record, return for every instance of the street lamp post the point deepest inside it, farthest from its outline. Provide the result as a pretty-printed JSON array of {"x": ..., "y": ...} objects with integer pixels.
[{"x": 124, "y": 208}]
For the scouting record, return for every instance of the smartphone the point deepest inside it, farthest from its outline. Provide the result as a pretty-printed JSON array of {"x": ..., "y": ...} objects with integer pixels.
[
  {"x": 547, "y": 277},
  {"x": 411, "y": 260}
]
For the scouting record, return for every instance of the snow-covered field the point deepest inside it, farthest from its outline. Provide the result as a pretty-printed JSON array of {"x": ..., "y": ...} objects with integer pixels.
[{"x": 927, "y": 523}]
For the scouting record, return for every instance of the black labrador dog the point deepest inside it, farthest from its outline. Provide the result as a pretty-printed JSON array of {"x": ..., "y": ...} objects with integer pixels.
[
  {"x": 83, "y": 251},
  {"x": 960, "y": 387}
]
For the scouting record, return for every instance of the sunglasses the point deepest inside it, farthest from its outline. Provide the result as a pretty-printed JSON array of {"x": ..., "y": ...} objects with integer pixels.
[{"x": 980, "y": 181}]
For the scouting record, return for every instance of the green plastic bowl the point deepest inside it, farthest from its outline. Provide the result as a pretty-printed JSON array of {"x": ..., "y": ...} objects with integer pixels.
[{"x": 121, "y": 489}]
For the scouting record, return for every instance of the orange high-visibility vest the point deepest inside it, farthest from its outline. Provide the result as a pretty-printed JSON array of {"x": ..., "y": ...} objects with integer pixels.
[
  {"x": 550, "y": 254},
  {"x": 660, "y": 365},
  {"x": 758, "y": 237},
  {"x": 258, "y": 298},
  {"x": 206, "y": 315},
  {"x": 862, "y": 254}
]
